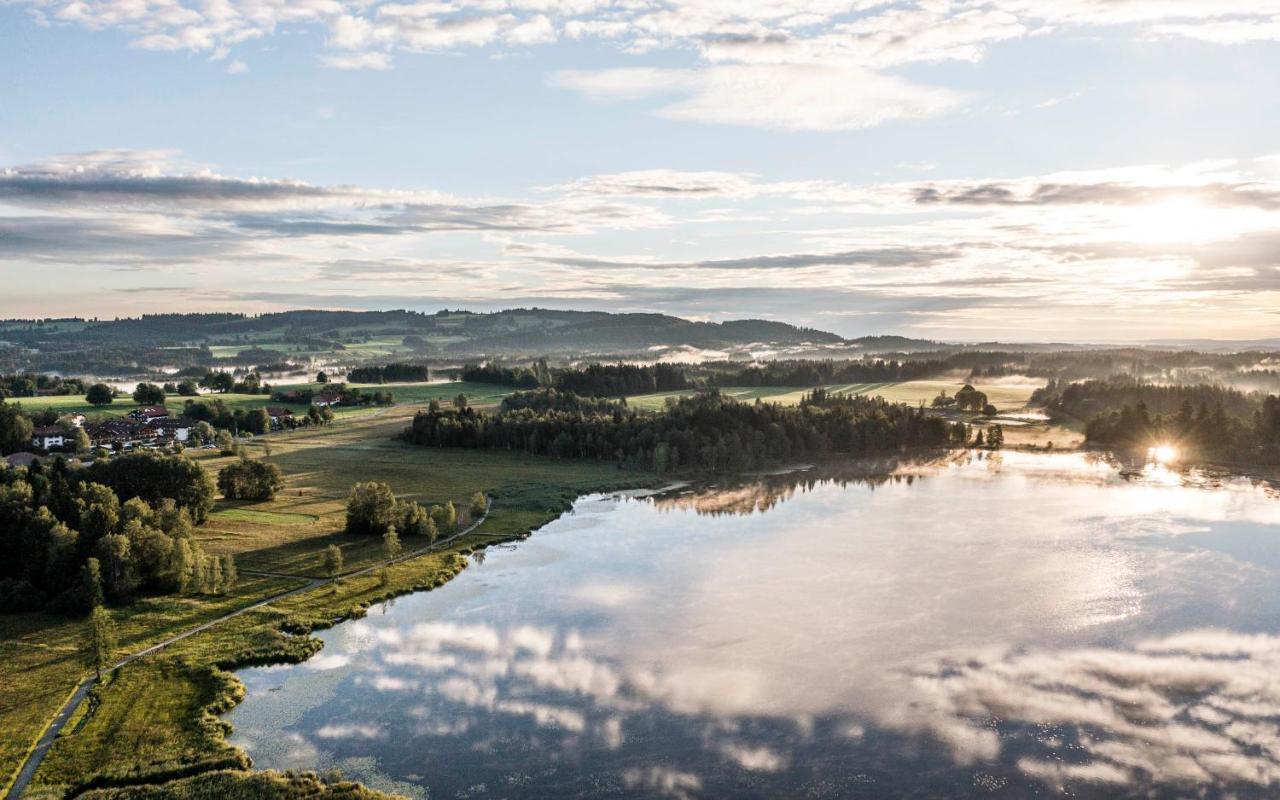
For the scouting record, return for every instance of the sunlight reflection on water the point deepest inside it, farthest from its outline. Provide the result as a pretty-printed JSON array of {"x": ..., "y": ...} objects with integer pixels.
[{"x": 943, "y": 629}]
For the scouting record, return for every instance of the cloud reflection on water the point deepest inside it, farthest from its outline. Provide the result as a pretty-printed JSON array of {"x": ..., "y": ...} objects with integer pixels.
[{"x": 1016, "y": 621}]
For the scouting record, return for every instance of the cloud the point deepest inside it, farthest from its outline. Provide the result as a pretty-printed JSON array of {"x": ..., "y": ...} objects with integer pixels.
[
  {"x": 1123, "y": 242},
  {"x": 141, "y": 178},
  {"x": 367, "y": 60},
  {"x": 663, "y": 183},
  {"x": 891, "y": 257},
  {"x": 1195, "y": 707},
  {"x": 1266, "y": 197},
  {"x": 354, "y": 731},
  {"x": 793, "y": 66},
  {"x": 867, "y": 34},
  {"x": 800, "y": 97}
]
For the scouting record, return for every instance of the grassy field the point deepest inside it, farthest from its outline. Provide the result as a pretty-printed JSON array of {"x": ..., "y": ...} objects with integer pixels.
[
  {"x": 404, "y": 393},
  {"x": 156, "y": 705},
  {"x": 1004, "y": 397},
  {"x": 41, "y": 666}
]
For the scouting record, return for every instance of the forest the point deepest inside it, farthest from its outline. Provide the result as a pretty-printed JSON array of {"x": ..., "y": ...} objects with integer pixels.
[
  {"x": 708, "y": 431},
  {"x": 518, "y": 377},
  {"x": 112, "y": 530},
  {"x": 618, "y": 380},
  {"x": 809, "y": 372},
  {"x": 1085, "y": 399},
  {"x": 390, "y": 373}
]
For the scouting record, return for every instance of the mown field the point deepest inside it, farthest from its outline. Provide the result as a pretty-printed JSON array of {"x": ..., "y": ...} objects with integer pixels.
[
  {"x": 1005, "y": 397},
  {"x": 149, "y": 718}
]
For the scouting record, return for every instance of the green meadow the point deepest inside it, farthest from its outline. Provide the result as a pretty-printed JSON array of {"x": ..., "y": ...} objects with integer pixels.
[{"x": 403, "y": 393}]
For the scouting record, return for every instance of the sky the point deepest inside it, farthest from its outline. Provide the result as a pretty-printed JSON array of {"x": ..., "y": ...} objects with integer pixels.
[{"x": 1075, "y": 170}]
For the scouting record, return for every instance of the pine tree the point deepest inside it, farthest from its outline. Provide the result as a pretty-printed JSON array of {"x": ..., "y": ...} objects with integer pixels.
[
  {"x": 995, "y": 438},
  {"x": 91, "y": 580}
]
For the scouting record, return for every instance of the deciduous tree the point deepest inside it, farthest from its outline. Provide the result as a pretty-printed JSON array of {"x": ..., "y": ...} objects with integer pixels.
[{"x": 100, "y": 641}]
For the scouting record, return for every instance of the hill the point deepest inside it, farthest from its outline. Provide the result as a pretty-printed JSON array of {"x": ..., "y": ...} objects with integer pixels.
[{"x": 144, "y": 344}]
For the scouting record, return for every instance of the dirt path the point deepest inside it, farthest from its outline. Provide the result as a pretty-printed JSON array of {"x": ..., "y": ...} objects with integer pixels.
[{"x": 29, "y": 767}]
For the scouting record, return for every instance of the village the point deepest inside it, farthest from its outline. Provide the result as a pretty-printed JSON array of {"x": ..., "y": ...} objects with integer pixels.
[{"x": 157, "y": 427}]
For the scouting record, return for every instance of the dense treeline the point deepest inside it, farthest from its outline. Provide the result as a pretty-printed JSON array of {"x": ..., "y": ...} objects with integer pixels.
[
  {"x": 618, "y": 380},
  {"x": 549, "y": 400},
  {"x": 390, "y": 373},
  {"x": 30, "y": 385},
  {"x": 1085, "y": 399},
  {"x": 497, "y": 374},
  {"x": 73, "y": 537},
  {"x": 707, "y": 431},
  {"x": 1246, "y": 369},
  {"x": 817, "y": 373},
  {"x": 615, "y": 380},
  {"x": 1196, "y": 432}
]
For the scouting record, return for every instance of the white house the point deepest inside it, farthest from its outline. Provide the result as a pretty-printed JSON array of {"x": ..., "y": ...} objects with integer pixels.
[{"x": 50, "y": 437}]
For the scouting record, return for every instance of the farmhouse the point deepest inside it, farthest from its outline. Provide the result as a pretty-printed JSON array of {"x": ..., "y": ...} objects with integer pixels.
[
  {"x": 149, "y": 413},
  {"x": 176, "y": 429},
  {"x": 278, "y": 414},
  {"x": 328, "y": 397},
  {"x": 111, "y": 431},
  {"x": 49, "y": 437}
]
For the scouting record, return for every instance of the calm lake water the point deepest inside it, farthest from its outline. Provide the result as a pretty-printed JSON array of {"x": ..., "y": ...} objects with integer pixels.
[{"x": 1022, "y": 625}]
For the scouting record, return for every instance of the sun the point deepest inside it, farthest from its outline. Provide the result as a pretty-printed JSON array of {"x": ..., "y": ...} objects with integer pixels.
[
  {"x": 1164, "y": 453},
  {"x": 1178, "y": 219}
]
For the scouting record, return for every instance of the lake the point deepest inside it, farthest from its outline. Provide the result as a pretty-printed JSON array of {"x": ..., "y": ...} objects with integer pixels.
[{"x": 1009, "y": 626}]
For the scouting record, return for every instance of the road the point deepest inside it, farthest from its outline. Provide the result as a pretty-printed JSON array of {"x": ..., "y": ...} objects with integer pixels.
[{"x": 46, "y": 741}]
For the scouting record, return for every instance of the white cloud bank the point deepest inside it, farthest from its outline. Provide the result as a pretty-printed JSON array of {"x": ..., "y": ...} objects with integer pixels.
[
  {"x": 809, "y": 97},
  {"x": 812, "y": 66}
]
